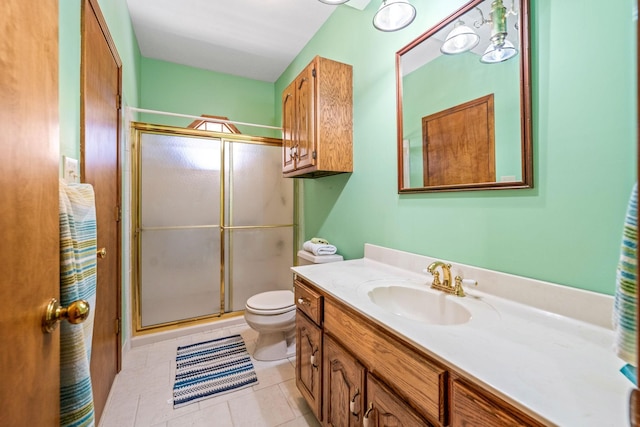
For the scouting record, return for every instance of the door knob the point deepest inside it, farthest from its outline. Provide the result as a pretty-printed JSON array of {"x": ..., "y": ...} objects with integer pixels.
[
  {"x": 102, "y": 252},
  {"x": 77, "y": 312}
]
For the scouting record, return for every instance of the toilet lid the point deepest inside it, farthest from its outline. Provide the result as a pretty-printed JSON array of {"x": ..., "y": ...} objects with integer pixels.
[{"x": 272, "y": 301}]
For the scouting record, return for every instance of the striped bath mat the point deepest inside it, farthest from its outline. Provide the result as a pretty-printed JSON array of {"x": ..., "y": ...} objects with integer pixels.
[{"x": 211, "y": 368}]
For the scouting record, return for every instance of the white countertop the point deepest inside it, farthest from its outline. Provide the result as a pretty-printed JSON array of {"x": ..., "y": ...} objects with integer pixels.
[{"x": 561, "y": 369}]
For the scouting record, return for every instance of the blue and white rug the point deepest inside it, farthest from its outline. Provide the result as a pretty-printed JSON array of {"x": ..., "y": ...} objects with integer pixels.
[{"x": 211, "y": 368}]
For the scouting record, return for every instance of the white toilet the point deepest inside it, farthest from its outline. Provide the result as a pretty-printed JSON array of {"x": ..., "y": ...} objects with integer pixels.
[{"x": 273, "y": 315}]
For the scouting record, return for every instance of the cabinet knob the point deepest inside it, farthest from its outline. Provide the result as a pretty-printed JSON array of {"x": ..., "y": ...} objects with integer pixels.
[{"x": 304, "y": 301}]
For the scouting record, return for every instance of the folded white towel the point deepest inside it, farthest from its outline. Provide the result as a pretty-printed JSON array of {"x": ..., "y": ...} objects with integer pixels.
[{"x": 319, "y": 249}]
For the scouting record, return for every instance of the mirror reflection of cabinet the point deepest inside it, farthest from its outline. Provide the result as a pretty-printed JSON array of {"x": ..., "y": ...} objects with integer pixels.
[
  {"x": 430, "y": 82},
  {"x": 462, "y": 136}
]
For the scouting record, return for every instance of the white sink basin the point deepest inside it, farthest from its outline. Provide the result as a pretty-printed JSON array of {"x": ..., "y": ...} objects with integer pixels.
[{"x": 421, "y": 305}]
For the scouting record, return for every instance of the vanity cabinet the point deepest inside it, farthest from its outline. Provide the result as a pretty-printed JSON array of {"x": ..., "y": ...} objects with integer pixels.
[
  {"x": 317, "y": 121},
  {"x": 369, "y": 376}
]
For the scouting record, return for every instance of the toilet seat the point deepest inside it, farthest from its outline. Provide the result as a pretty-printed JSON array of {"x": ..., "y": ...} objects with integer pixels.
[{"x": 271, "y": 303}]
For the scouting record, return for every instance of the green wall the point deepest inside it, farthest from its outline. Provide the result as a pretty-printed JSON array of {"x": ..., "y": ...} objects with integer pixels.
[
  {"x": 568, "y": 228},
  {"x": 186, "y": 90},
  {"x": 116, "y": 14}
]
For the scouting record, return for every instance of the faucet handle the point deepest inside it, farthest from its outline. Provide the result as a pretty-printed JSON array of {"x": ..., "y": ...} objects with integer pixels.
[
  {"x": 457, "y": 288},
  {"x": 436, "y": 278}
]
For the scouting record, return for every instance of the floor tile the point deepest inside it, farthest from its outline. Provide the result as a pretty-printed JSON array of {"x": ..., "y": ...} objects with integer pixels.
[
  {"x": 263, "y": 408},
  {"x": 142, "y": 392}
]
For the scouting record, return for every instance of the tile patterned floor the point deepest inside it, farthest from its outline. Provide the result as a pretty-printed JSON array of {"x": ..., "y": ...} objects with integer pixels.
[{"x": 142, "y": 391}]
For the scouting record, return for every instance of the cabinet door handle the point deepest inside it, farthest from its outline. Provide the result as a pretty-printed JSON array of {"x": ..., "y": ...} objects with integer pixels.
[
  {"x": 352, "y": 404},
  {"x": 365, "y": 419}
]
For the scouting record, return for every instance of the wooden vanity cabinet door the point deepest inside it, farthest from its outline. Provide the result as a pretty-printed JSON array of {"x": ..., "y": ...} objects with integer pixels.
[
  {"x": 309, "y": 362},
  {"x": 343, "y": 386},
  {"x": 385, "y": 409},
  {"x": 471, "y": 408}
]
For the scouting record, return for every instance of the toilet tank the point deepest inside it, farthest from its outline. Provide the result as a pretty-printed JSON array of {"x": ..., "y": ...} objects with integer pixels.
[{"x": 307, "y": 258}]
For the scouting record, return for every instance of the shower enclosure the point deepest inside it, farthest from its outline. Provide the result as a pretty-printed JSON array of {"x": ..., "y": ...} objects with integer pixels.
[{"x": 214, "y": 223}]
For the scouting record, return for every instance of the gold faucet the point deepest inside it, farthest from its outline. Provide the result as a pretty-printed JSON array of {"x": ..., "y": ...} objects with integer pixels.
[{"x": 445, "y": 285}]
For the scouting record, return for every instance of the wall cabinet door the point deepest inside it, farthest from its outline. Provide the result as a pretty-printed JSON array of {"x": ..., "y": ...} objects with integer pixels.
[
  {"x": 386, "y": 409},
  {"x": 305, "y": 95},
  {"x": 343, "y": 386},
  {"x": 309, "y": 362},
  {"x": 289, "y": 128}
]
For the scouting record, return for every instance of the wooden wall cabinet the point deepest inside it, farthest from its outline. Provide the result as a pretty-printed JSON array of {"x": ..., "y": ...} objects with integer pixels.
[
  {"x": 371, "y": 377},
  {"x": 317, "y": 121}
]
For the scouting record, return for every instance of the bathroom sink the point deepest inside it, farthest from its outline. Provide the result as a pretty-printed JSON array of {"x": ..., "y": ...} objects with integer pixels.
[{"x": 422, "y": 305}]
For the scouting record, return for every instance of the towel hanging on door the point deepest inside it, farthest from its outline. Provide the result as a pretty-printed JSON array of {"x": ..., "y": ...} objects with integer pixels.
[
  {"x": 77, "y": 281},
  {"x": 624, "y": 309}
]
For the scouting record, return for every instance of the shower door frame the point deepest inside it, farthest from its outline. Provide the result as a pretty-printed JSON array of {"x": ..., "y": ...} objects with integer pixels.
[{"x": 137, "y": 128}]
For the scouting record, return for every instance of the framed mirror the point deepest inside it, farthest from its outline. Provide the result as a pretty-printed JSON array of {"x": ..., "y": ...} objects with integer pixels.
[{"x": 464, "y": 102}]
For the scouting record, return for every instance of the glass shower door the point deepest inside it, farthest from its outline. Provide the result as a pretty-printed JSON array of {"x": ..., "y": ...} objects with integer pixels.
[
  {"x": 179, "y": 232},
  {"x": 259, "y": 222}
]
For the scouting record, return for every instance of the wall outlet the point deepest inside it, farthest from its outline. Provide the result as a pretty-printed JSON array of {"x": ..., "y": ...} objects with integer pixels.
[{"x": 70, "y": 169}]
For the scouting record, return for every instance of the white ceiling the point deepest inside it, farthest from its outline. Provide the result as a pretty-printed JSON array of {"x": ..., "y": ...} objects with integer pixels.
[{"x": 256, "y": 39}]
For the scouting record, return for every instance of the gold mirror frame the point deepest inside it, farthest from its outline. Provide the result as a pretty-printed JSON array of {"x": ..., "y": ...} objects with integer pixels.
[{"x": 525, "y": 106}]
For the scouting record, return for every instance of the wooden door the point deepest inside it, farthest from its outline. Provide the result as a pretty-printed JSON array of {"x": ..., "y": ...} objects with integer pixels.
[
  {"x": 305, "y": 103},
  {"x": 386, "y": 409},
  {"x": 343, "y": 386},
  {"x": 309, "y": 362},
  {"x": 29, "y": 252},
  {"x": 101, "y": 89},
  {"x": 289, "y": 128},
  {"x": 458, "y": 144}
]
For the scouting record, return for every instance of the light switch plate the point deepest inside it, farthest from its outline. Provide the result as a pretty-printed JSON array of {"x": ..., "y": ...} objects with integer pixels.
[{"x": 70, "y": 170}]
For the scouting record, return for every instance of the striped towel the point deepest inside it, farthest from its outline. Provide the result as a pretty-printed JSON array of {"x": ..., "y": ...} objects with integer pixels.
[
  {"x": 77, "y": 281},
  {"x": 624, "y": 309}
]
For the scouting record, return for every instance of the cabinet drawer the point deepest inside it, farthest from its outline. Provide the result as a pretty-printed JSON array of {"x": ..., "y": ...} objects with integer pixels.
[
  {"x": 415, "y": 378},
  {"x": 472, "y": 408},
  {"x": 309, "y": 302}
]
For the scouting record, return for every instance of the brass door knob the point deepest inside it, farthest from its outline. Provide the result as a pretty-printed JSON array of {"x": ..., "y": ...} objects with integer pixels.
[
  {"x": 102, "y": 252},
  {"x": 77, "y": 312}
]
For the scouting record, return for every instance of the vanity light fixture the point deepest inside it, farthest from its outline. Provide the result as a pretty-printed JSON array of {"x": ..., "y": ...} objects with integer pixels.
[
  {"x": 460, "y": 39},
  {"x": 500, "y": 53},
  {"x": 334, "y": 2},
  {"x": 394, "y": 15},
  {"x": 500, "y": 48}
]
